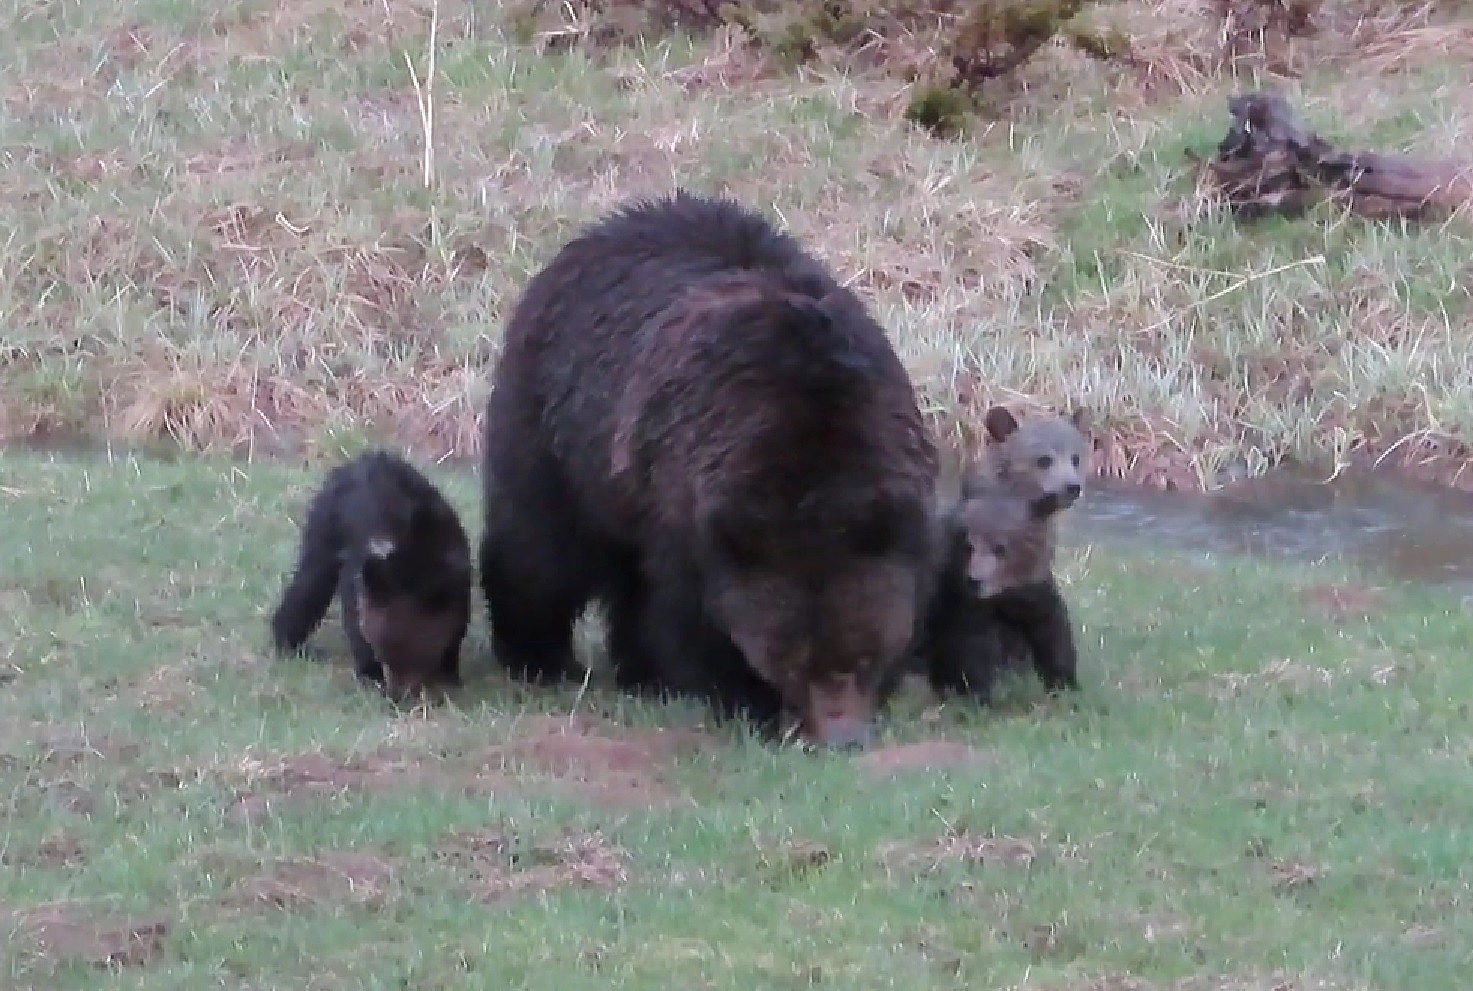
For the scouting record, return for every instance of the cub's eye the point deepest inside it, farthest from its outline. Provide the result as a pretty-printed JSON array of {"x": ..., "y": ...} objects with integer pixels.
[
  {"x": 1075, "y": 460},
  {"x": 999, "y": 551},
  {"x": 1044, "y": 462}
]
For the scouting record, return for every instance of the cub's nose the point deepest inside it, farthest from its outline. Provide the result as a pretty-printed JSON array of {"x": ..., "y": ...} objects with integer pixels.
[{"x": 1073, "y": 491}]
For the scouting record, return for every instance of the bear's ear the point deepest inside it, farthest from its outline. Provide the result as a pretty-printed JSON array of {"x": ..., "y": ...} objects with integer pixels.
[
  {"x": 1000, "y": 424},
  {"x": 1079, "y": 421},
  {"x": 808, "y": 313},
  {"x": 823, "y": 325}
]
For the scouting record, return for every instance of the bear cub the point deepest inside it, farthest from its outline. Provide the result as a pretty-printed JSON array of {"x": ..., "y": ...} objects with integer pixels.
[
  {"x": 385, "y": 541},
  {"x": 997, "y": 599}
]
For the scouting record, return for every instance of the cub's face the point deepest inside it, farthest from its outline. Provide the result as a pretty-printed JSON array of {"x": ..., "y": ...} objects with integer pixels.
[
  {"x": 1004, "y": 544},
  {"x": 1045, "y": 457},
  {"x": 409, "y": 640}
]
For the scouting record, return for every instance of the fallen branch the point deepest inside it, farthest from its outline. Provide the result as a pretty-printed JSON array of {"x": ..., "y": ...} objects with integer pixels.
[{"x": 1269, "y": 163}]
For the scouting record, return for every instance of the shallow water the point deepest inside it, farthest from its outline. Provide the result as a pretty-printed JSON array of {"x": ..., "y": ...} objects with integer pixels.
[
  {"x": 1397, "y": 525},
  {"x": 1393, "y": 524}
]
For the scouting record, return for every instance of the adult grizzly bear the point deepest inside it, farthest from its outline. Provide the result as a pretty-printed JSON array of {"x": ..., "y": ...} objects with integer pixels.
[{"x": 694, "y": 423}]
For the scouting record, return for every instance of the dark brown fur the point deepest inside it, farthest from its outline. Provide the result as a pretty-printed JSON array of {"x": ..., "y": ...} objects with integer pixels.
[
  {"x": 693, "y": 422},
  {"x": 997, "y": 600},
  {"x": 384, "y": 540}
]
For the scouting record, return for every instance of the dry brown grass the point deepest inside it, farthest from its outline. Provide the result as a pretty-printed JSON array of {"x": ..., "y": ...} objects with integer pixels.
[{"x": 229, "y": 230}]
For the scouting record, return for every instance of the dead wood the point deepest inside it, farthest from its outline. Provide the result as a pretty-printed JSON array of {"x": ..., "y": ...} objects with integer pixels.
[{"x": 1271, "y": 164}]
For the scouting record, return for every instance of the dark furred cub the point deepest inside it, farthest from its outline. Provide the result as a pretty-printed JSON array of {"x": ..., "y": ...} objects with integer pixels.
[
  {"x": 693, "y": 422},
  {"x": 384, "y": 540},
  {"x": 1042, "y": 458},
  {"x": 998, "y": 600}
]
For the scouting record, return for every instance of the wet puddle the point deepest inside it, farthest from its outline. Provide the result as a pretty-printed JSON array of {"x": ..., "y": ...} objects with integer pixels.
[{"x": 1392, "y": 524}]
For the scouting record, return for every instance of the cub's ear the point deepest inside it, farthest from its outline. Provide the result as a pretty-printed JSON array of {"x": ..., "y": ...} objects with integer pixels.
[
  {"x": 1000, "y": 424},
  {"x": 1079, "y": 420}
]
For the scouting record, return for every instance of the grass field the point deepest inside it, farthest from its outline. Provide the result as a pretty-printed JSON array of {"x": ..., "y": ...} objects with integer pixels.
[
  {"x": 1264, "y": 786},
  {"x": 219, "y": 230},
  {"x": 226, "y": 230}
]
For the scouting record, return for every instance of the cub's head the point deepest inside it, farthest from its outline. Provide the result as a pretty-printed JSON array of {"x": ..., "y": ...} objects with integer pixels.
[
  {"x": 1000, "y": 544},
  {"x": 409, "y": 639},
  {"x": 1044, "y": 458},
  {"x": 414, "y": 599}
]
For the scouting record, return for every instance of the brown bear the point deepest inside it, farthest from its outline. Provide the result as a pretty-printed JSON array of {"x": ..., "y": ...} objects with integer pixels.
[
  {"x": 997, "y": 601},
  {"x": 1044, "y": 458},
  {"x": 695, "y": 424},
  {"x": 385, "y": 541}
]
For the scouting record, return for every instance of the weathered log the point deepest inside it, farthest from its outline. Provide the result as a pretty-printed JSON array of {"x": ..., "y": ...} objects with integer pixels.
[{"x": 1270, "y": 163}]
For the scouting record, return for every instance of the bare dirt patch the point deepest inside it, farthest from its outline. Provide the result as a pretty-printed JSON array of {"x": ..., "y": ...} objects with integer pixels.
[
  {"x": 59, "y": 850},
  {"x": 336, "y": 877},
  {"x": 923, "y": 756},
  {"x": 70, "y": 934},
  {"x": 963, "y": 846},
  {"x": 494, "y": 868},
  {"x": 1343, "y": 601},
  {"x": 617, "y": 768},
  {"x": 49, "y": 593},
  {"x": 304, "y": 777},
  {"x": 609, "y": 764}
]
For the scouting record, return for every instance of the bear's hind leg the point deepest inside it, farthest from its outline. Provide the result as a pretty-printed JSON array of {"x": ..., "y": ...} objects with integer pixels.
[
  {"x": 365, "y": 664},
  {"x": 308, "y": 592}
]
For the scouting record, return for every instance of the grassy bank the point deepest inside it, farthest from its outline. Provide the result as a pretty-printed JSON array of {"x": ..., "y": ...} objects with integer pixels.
[
  {"x": 218, "y": 229},
  {"x": 1275, "y": 805}
]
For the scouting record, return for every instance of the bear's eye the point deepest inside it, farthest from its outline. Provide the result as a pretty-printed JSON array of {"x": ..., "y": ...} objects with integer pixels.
[
  {"x": 1075, "y": 460},
  {"x": 1044, "y": 462},
  {"x": 999, "y": 551}
]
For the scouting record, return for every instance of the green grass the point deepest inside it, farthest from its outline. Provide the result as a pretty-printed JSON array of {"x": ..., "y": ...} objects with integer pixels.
[
  {"x": 1252, "y": 789},
  {"x": 220, "y": 232}
]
